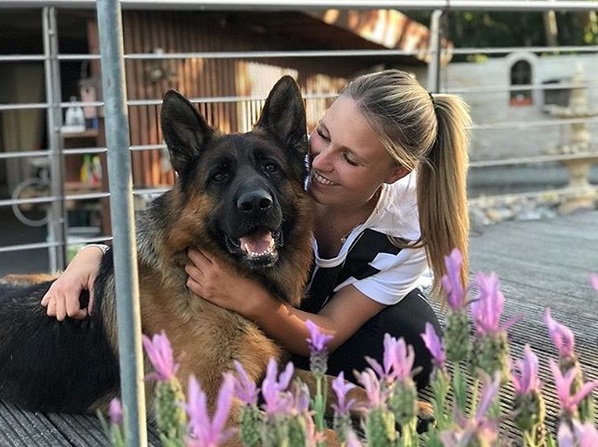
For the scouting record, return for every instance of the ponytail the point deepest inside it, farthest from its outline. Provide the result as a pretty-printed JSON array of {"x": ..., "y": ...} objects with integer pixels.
[
  {"x": 429, "y": 134},
  {"x": 442, "y": 188}
]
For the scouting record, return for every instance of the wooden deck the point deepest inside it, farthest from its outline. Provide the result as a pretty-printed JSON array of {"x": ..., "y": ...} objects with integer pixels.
[{"x": 540, "y": 264}]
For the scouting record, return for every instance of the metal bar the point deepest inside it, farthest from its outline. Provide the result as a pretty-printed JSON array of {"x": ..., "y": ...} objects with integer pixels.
[
  {"x": 56, "y": 212},
  {"x": 289, "y": 5},
  {"x": 308, "y": 54},
  {"x": 121, "y": 206},
  {"x": 560, "y": 192},
  {"x": 435, "y": 50},
  {"x": 38, "y": 245}
]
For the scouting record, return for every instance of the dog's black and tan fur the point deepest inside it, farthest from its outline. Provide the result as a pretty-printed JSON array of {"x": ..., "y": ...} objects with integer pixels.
[{"x": 241, "y": 197}]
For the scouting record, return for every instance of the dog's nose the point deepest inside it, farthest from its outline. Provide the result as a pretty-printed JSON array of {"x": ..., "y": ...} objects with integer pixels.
[{"x": 253, "y": 201}]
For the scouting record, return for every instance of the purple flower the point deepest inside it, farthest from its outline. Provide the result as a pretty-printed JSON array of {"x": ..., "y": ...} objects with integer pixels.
[
  {"x": 451, "y": 281},
  {"x": 434, "y": 345},
  {"x": 594, "y": 281},
  {"x": 302, "y": 398},
  {"x": 245, "y": 388},
  {"x": 525, "y": 374},
  {"x": 341, "y": 387},
  {"x": 352, "y": 439},
  {"x": 563, "y": 383},
  {"x": 273, "y": 387},
  {"x": 489, "y": 392},
  {"x": 397, "y": 362},
  {"x": 116, "y": 411},
  {"x": 208, "y": 432},
  {"x": 480, "y": 427},
  {"x": 371, "y": 383},
  {"x": 565, "y": 436},
  {"x": 159, "y": 352},
  {"x": 583, "y": 435},
  {"x": 317, "y": 339},
  {"x": 586, "y": 434},
  {"x": 487, "y": 308},
  {"x": 561, "y": 335}
]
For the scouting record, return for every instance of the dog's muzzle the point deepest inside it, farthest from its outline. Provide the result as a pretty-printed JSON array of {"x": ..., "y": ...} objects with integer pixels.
[{"x": 258, "y": 248}]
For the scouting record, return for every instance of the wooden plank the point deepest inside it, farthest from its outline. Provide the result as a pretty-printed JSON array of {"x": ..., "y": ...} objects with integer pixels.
[{"x": 23, "y": 429}]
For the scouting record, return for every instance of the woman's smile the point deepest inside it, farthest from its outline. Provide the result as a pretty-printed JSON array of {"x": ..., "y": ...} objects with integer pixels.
[{"x": 317, "y": 177}]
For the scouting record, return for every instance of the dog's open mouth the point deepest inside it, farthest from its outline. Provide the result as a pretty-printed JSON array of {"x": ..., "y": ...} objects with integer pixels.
[{"x": 258, "y": 248}]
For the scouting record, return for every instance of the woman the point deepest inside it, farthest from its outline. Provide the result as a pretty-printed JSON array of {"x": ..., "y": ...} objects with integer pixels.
[{"x": 388, "y": 175}]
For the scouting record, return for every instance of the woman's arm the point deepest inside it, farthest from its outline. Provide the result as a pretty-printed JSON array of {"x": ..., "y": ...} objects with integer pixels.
[
  {"x": 345, "y": 312},
  {"x": 62, "y": 299}
]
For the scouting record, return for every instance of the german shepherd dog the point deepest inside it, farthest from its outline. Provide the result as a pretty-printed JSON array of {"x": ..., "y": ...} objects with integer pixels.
[{"x": 239, "y": 196}]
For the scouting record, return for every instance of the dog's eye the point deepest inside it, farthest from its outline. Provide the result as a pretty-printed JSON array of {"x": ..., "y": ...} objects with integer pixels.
[
  {"x": 270, "y": 167},
  {"x": 219, "y": 176}
]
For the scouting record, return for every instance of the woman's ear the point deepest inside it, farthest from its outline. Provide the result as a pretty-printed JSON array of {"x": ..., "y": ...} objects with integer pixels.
[{"x": 397, "y": 174}]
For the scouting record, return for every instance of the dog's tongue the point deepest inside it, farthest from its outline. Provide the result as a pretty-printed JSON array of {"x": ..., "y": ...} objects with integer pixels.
[{"x": 257, "y": 243}]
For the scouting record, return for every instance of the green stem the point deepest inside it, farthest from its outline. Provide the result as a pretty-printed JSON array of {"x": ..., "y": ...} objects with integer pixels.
[
  {"x": 319, "y": 405},
  {"x": 474, "y": 397}
]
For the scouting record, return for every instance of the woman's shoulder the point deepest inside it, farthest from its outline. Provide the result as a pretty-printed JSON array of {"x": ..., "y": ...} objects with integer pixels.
[{"x": 396, "y": 214}]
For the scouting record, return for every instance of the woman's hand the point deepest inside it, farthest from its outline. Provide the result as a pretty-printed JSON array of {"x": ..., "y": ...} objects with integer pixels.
[
  {"x": 220, "y": 284},
  {"x": 62, "y": 299}
]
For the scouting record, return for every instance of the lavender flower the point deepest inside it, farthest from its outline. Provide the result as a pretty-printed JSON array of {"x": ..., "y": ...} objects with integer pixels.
[
  {"x": 434, "y": 345},
  {"x": 395, "y": 378},
  {"x": 116, "y": 411},
  {"x": 273, "y": 385},
  {"x": 341, "y": 387},
  {"x": 251, "y": 418},
  {"x": 561, "y": 336},
  {"x": 525, "y": 374},
  {"x": 398, "y": 360},
  {"x": 159, "y": 352},
  {"x": 115, "y": 431},
  {"x": 342, "y": 417},
  {"x": 317, "y": 339},
  {"x": 170, "y": 416},
  {"x": 379, "y": 422},
  {"x": 563, "y": 384},
  {"x": 490, "y": 346},
  {"x": 206, "y": 431},
  {"x": 582, "y": 435},
  {"x": 479, "y": 430},
  {"x": 440, "y": 378},
  {"x": 487, "y": 308},
  {"x": 317, "y": 344},
  {"x": 451, "y": 281},
  {"x": 564, "y": 341},
  {"x": 245, "y": 389},
  {"x": 371, "y": 383},
  {"x": 457, "y": 341},
  {"x": 528, "y": 404}
]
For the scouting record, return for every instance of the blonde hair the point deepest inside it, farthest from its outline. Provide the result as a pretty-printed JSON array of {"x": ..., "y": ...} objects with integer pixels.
[{"x": 429, "y": 133}]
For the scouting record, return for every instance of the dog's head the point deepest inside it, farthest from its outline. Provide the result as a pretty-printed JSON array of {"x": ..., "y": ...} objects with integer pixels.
[{"x": 243, "y": 193}]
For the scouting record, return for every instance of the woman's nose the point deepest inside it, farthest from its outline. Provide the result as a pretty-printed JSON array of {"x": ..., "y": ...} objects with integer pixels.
[{"x": 321, "y": 160}]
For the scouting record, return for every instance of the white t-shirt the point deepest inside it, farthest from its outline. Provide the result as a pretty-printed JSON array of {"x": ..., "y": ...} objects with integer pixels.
[{"x": 368, "y": 260}]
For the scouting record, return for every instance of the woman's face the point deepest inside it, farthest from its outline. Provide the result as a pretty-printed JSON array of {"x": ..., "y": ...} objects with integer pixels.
[{"x": 348, "y": 161}]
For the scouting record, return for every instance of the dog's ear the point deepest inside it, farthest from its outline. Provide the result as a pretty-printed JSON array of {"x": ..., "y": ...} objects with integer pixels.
[
  {"x": 184, "y": 129},
  {"x": 283, "y": 116}
]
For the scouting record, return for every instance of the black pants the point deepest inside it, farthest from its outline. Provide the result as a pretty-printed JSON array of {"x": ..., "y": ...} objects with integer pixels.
[{"x": 405, "y": 319}]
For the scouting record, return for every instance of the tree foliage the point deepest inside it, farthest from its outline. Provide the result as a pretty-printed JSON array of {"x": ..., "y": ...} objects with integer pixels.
[{"x": 492, "y": 29}]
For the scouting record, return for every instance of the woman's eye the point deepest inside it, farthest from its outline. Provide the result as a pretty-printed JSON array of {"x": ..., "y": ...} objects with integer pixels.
[
  {"x": 322, "y": 135},
  {"x": 348, "y": 160}
]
